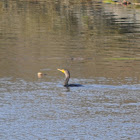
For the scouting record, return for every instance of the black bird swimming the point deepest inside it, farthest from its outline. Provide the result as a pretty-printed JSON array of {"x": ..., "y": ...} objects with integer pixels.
[{"x": 67, "y": 77}]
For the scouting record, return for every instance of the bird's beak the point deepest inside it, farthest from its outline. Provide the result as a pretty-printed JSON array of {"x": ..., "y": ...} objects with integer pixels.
[{"x": 62, "y": 70}]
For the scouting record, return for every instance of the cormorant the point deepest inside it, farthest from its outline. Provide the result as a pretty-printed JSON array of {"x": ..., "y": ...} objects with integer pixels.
[{"x": 67, "y": 77}]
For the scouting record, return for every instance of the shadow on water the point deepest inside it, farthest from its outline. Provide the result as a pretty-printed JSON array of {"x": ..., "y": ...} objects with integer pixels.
[{"x": 88, "y": 86}]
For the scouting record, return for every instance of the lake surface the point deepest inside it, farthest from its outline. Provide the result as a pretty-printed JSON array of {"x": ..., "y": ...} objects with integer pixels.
[{"x": 98, "y": 43}]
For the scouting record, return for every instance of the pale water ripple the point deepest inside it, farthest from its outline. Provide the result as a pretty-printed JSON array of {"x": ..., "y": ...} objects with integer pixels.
[{"x": 42, "y": 110}]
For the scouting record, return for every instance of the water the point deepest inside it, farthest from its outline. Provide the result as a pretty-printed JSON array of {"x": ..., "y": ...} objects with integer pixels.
[{"x": 97, "y": 42}]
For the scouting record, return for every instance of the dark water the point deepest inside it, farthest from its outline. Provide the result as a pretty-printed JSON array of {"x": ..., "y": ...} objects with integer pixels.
[{"x": 97, "y": 42}]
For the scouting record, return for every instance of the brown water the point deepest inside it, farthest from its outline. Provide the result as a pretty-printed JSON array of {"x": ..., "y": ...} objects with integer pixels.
[{"x": 97, "y": 42}]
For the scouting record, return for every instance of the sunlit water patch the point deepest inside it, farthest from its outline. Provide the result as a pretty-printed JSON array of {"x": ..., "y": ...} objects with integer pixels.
[{"x": 40, "y": 110}]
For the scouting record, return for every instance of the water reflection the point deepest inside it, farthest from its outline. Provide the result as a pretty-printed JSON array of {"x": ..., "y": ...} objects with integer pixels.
[
  {"x": 40, "y": 35},
  {"x": 97, "y": 42}
]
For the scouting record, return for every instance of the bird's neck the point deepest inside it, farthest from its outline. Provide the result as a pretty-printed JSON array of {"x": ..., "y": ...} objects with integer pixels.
[{"x": 66, "y": 81}]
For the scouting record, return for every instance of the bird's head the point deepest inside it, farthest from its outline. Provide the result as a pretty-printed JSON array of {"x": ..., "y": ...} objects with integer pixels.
[
  {"x": 66, "y": 72},
  {"x": 62, "y": 70}
]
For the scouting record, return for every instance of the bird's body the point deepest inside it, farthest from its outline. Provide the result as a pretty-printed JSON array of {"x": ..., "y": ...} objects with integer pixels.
[{"x": 67, "y": 77}]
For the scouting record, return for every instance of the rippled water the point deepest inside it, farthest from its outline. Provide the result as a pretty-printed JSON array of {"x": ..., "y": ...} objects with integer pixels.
[
  {"x": 97, "y": 42},
  {"x": 46, "y": 110}
]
